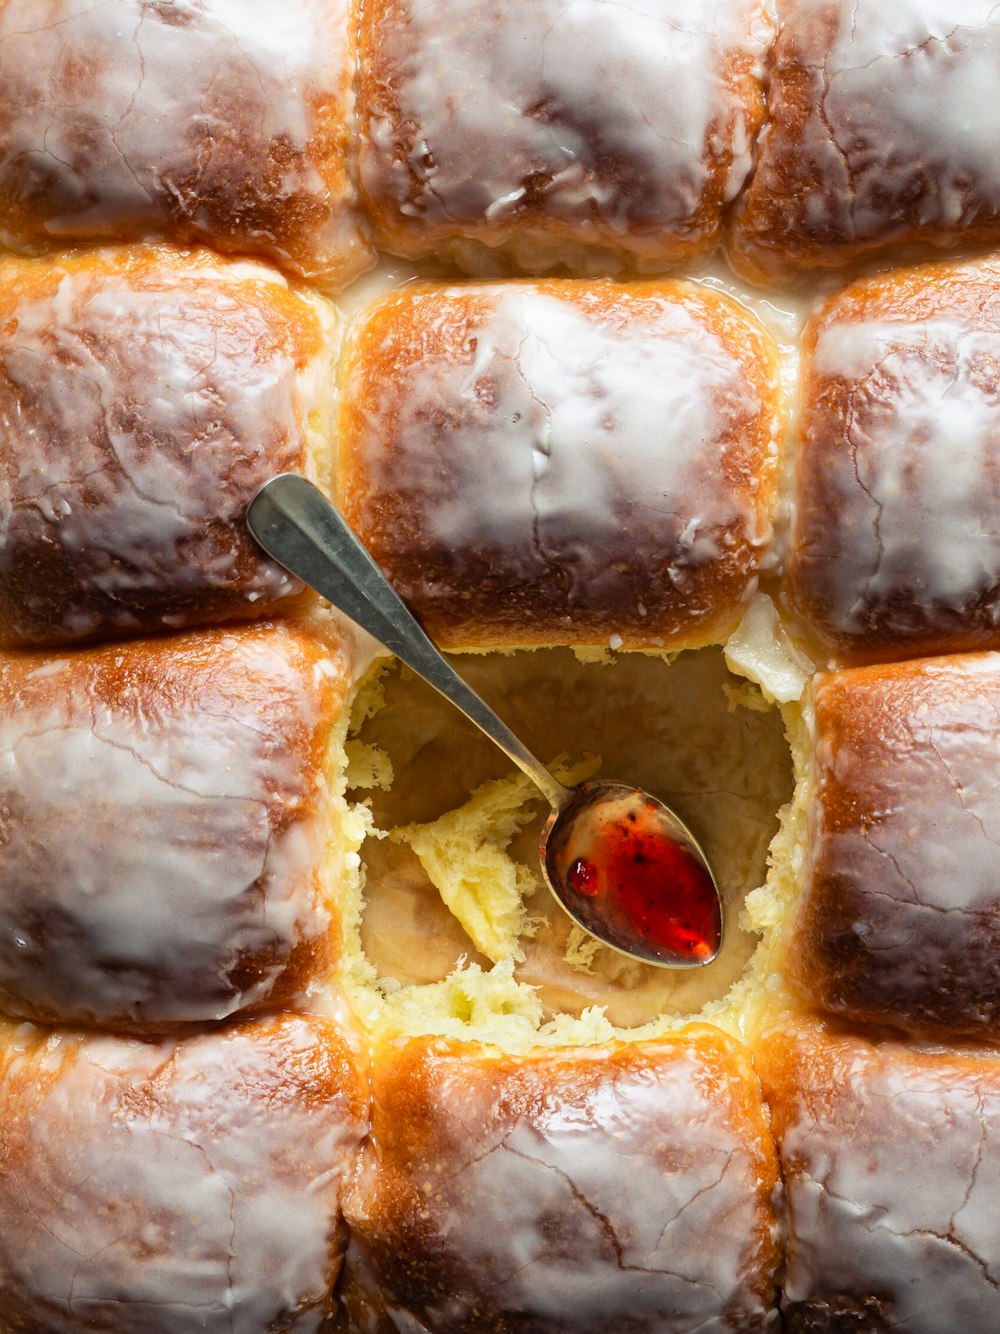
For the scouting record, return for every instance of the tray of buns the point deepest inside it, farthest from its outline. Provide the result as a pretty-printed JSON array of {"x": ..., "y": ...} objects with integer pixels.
[{"x": 653, "y": 351}]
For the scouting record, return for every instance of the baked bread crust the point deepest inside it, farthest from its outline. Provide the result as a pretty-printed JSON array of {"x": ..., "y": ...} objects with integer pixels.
[
  {"x": 155, "y": 1188},
  {"x": 890, "y": 1158},
  {"x": 896, "y": 548},
  {"x": 898, "y": 918},
  {"x": 145, "y": 394},
  {"x": 216, "y": 122},
  {"x": 877, "y": 137},
  {"x": 168, "y": 851},
  {"x": 563, "y": 462}
]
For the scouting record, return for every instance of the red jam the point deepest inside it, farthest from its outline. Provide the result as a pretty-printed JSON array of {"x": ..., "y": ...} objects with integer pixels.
[
  {"x": 652, "y": 883},
  {"x": 584, "y": 877}
]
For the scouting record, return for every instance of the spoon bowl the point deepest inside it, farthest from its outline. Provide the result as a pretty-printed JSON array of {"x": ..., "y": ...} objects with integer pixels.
[
  {"x": 628, "y": 870},
  {"x": 623, "y": 865}
]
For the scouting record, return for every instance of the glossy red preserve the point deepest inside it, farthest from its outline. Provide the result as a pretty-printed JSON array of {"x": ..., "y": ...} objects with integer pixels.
[{"x": 623, "y": 863}]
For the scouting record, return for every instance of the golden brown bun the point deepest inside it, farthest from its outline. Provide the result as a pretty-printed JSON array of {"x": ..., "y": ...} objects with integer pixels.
[
  {"x": 159, "y": 1188},
  {"x": 899, "y": 919},
  {"x": 878, "y": 136},
  {"x": 146, "y": 394},
  {"x": 479, "y": 126},
  {"x": 169, "y": 847},
  {"x": 563, "y": 462},
  {"x": 891, "y": 1163},
  {"x": 625, "y": 1187},
  {"x": 222, "y": 122},
  {"x": 896, "y": 548}
]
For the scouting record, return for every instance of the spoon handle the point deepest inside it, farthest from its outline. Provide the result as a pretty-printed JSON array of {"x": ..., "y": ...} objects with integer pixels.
[{"x": 295, "y": 523}]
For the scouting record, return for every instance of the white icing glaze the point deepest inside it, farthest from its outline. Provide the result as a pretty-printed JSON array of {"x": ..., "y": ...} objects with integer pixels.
[
  {"x": 892, "y": 1192},
  {"x": 899, "y": 908},
  {"x": 572, "y": 1160},
  {"x": 160, "y": 1188},
  {"x": 139, "y": 858},
  {"x": 514, "y": 91},
  {"x": 138, "y": 423},
  {"x": 127, "y": 114},
  {"x": 913, "y": 497},
  {"x": 908, "y": 96},
  {"x": 561, "y": 420},
  {"x": 588, "y": 1182}
]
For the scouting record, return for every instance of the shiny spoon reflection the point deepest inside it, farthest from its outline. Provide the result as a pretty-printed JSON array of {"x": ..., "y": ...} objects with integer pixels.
[{"x": 623, "y": 865}]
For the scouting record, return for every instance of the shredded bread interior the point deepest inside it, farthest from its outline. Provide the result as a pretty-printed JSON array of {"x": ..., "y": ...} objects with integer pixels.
[{"x": 449, "y": 929}]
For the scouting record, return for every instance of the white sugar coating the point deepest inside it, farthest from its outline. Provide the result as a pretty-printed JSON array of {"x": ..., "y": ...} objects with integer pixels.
[
  {"x": 516, "y": 91},
  {"x": 920, "y": 491},
  {"x": 893, "y": 1194},
  {"x": 205, "y": 1174},
  {"x": 140, "y": 860},
  {"x": 139, "y": 420},
  {"x": 910, "y": 98},
  {"x": 127, "y": 111},
  {"x": 577, "y": 415}
]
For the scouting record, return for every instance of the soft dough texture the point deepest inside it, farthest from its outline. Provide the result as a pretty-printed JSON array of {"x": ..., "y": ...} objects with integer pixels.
[
  {"x": 891, "y": 1161},
  {"x": 563, "y": 462},
  {"x": 145, "y": 395},
  {"x": 614, "y": 1189},
  {"x": 168, "y": 843},
  {"x": 158, "y": 1188},
  {"x": 882, "y": 131},
  {"x": 218, "y": 121},
  {"x": 642, "y": 171},
  {"x": 896, "y": 549}
]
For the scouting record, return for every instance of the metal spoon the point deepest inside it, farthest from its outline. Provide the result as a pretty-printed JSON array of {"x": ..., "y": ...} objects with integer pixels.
[{"x": 296, "y": 525}]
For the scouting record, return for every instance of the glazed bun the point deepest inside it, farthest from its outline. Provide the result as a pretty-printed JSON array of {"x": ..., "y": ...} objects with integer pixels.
[
  {"x": 889, "y": 1155},
  {"x": 896, "y": 550},
  {"x": 669, "y": 404},
  {"x": 897, "y": 919},
  {"x": 170, "y": 850},
  {"x": 147, "y": 393},
  {"x": 640, "y": 175},
  {"x": 563, "y": 462},
  {"x": 153, "y": 1188},
  {"x": 614, "y": 1188},
  {"x": 877, "y": 137},
  {"x": 217, "y": 122}
]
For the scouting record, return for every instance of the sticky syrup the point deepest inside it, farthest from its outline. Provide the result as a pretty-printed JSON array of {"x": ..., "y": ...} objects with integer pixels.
[{"x": 653, "y": 883}]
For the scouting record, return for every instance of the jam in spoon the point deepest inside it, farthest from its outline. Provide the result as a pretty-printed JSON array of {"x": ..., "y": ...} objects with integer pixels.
[{"x": 623, "y": 865}]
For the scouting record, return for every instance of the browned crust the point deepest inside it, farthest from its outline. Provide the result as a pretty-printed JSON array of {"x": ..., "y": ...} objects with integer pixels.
[
  {"x": 99, "y": 448},
  {"x": 130, "y": 1166},
  {"x": 899, "y": 920},
  {"x": 286, "y": 695},
  {"x": 396, "y": 195},
  {"x": 887, "y": 1153},
  {"x": 219, "y": 178},
  {"x": 472, "y": 595},
  {"x": 845, "y": 421},
  {"x": 796, "y": 214},
  {"x": 608, "y": 1138}
]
